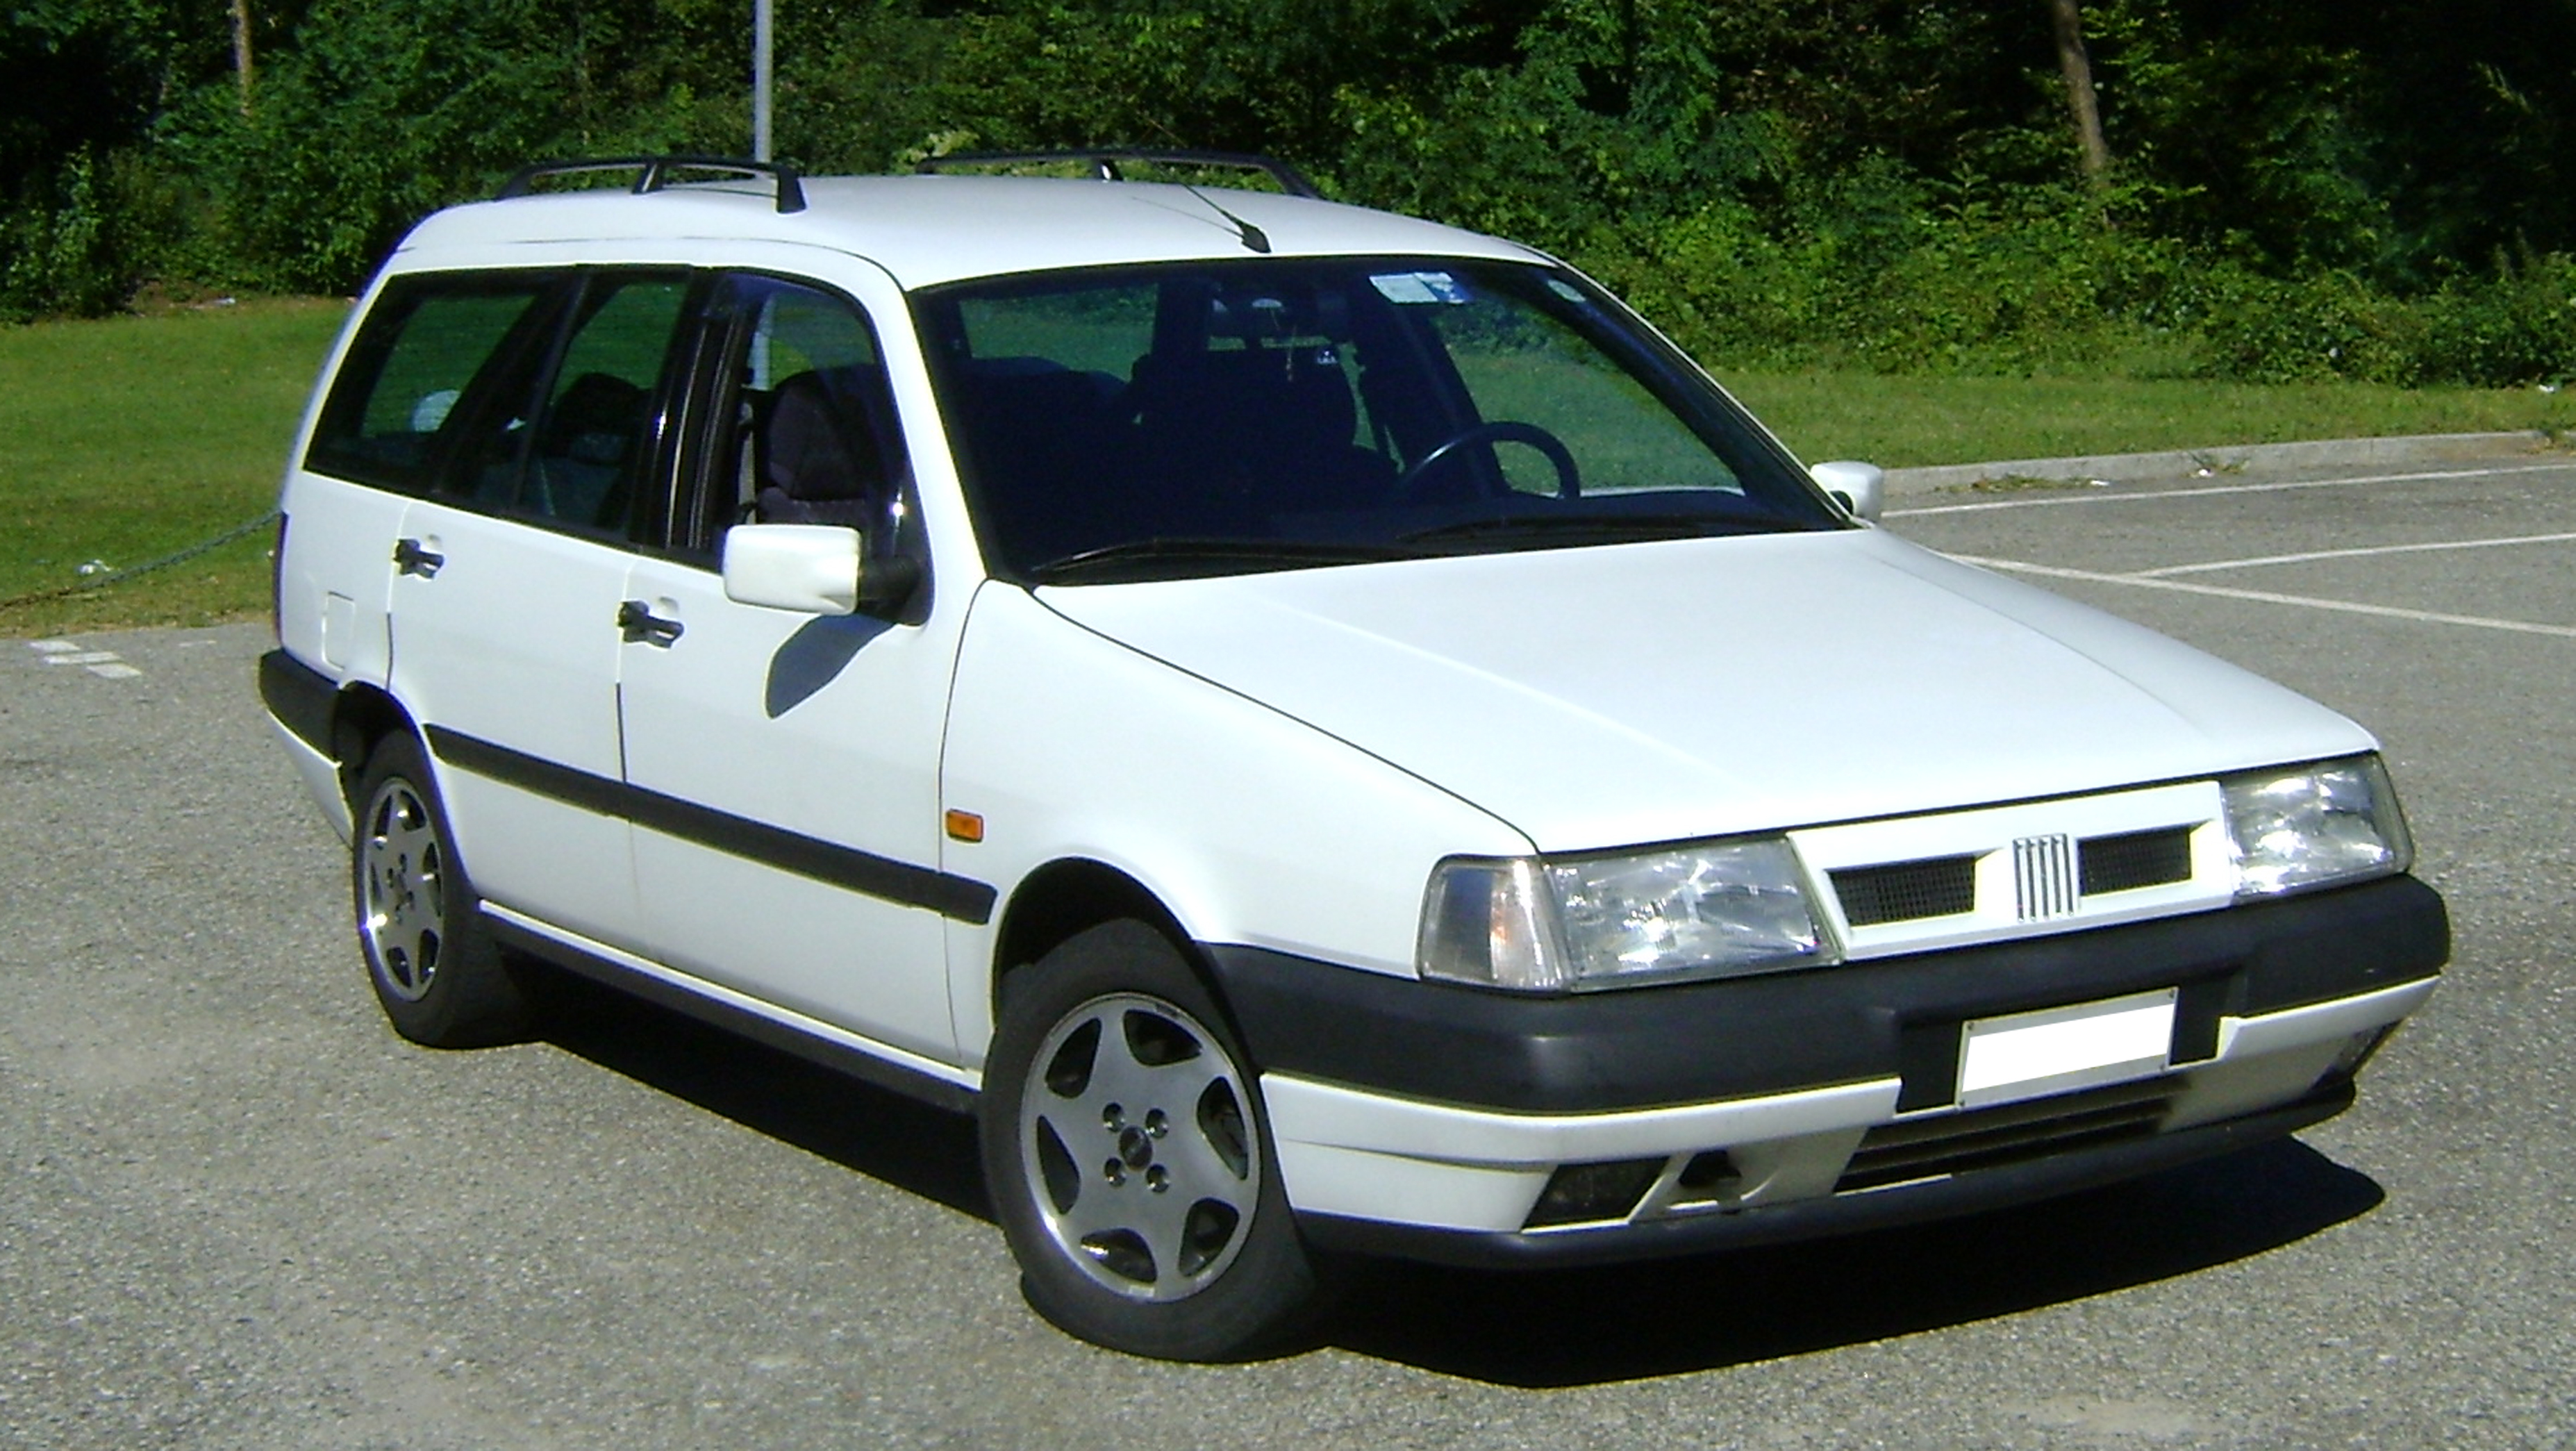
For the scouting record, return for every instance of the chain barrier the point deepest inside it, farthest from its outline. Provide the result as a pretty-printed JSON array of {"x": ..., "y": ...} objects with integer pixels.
[{"x": 112, "y": 576}]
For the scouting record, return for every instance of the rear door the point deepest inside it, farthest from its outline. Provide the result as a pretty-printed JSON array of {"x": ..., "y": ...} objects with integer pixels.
[
  {"x": 424, "y": 343},
  {"x": 505, "y": 602}
]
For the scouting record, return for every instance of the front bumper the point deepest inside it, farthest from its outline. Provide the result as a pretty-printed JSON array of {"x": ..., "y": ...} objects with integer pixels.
[
  {"x": 1431, "y": 1120},
  {"x": 1825, "y": 1215}
]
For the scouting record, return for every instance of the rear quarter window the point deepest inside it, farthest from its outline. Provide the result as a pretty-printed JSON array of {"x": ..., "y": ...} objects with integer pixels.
[{"x": 423, "y": 345}]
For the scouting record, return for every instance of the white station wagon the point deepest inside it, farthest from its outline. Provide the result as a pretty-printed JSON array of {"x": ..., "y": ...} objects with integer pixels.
[{"x": 1321, "y": 730}]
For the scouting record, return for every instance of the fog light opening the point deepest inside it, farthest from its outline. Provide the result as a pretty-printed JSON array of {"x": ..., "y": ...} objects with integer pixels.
[
  {"x": 1709, "y": 1178},
  {"x": 1590, "y": 1193}
]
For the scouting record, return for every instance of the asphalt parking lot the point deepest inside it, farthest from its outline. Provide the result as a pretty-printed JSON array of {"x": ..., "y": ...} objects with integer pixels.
[{"x": 237, "y": 1212}]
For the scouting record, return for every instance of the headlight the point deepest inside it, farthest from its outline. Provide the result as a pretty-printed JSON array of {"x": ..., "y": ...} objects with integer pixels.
[
  {"x": 2305, "y": 826},
  {"x": 1714, "y": 910}
]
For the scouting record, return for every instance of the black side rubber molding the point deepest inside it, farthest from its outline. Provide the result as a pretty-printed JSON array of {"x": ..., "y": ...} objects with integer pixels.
[{"x": 961, "y": 898}]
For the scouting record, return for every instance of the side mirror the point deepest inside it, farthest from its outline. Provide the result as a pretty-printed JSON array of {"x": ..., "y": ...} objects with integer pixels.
[
  {"x": 1859, "y": 487},
  {"x": 812, "y": 569}
]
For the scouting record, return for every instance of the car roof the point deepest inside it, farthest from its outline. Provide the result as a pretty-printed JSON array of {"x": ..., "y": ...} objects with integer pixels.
[{"x": 930, "y": 229}]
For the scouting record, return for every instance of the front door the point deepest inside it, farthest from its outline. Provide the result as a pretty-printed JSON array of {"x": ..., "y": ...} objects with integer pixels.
[{"x": 784, "y": 767}]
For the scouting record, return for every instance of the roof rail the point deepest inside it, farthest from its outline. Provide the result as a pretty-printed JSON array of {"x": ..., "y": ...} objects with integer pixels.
[
  {"x": 1105, "y": 162},
  {"x": 656, "y": 172}
]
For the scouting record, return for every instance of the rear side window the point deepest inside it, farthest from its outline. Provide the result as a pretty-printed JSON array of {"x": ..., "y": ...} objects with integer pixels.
[
  {"x": 574, "y": 444},
  {"x": 421, "y": 349}
]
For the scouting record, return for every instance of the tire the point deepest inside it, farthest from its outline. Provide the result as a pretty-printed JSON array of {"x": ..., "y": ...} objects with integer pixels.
[
  {"x": 1129, "y": 1157},
  {"x": 440, "y": 977}
]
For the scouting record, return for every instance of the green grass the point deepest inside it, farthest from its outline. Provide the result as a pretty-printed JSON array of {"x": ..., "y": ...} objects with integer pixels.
[
  {"x": 1903, "y": 421},
  {"x": 127, "y": 439}
]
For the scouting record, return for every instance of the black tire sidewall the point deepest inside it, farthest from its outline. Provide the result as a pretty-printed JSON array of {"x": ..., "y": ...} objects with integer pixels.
[
  {"x": 1260, "y": 1300},
  {"x": 473, "y": 999}
]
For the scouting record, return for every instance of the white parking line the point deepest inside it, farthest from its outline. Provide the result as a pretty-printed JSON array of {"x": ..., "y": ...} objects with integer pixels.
[
  {"x": 2435, "y": 617},
  {"x": 2362, "y": 553},
  {"x": 2098, "y": 497},
  {"x": 105, "y": 664}
]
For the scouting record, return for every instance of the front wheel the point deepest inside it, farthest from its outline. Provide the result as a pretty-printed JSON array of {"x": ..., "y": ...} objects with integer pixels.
[{"x": 1129, "y": 1160}]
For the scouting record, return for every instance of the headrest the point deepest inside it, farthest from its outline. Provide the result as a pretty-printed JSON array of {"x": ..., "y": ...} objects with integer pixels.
[
  {"x": 811, "y": 451},
  {"x": 595, "y": 419}
]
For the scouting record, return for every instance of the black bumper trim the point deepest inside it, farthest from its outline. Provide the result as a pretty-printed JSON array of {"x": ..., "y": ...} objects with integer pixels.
[
  {"x": 1894, "y": 1017},
  {"x": 299, "y": 696},
  {"x": 1840, "y": 1214}
]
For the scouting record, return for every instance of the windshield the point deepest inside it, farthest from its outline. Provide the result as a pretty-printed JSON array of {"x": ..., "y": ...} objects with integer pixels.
[{"x": 1225, "y": 417}]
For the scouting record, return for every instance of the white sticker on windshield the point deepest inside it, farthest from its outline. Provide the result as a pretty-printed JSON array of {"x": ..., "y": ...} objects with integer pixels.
[
  {"x": 1420, "y": 287},
  {"x": 1566, "y": 290}
]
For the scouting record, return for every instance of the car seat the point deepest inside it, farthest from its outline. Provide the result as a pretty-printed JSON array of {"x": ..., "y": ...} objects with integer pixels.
[{"x": 814, "y": 468}]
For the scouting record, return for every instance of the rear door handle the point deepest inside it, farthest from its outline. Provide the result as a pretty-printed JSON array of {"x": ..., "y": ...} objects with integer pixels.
[
  {"x": 410, "y": 558},
  {"x": 636, "y": 621}
]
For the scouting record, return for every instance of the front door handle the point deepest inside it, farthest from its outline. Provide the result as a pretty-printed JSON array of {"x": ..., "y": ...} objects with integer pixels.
[
  {"x": 410, "y": 558},
  {"x": 636, "y": 621}
]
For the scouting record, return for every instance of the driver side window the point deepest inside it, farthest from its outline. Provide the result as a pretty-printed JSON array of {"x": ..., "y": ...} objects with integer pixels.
[{"x": 808, "y": 432}]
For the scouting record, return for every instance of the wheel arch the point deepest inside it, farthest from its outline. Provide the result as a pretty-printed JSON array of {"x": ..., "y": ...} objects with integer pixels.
[
  {"x": 1067, "y": 897},
  {"x": 363, "y": 715}
]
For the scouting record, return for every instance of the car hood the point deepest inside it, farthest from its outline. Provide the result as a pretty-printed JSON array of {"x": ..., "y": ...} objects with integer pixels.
[{"x": 1602, "y": 697}]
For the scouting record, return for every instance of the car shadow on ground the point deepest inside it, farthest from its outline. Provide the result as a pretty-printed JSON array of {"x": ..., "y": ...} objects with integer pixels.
[
  {"x": 1546, "y": 1329},
  {"x": 1625, "y": 1322},
  {"x": 904, "y": 1142}
]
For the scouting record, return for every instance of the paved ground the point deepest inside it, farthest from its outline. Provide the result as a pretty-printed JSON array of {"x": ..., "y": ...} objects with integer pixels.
[{"x": 235, "y": 1212}]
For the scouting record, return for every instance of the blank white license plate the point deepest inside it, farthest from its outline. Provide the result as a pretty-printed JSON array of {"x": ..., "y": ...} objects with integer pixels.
[{"x": 2057, "y": 1049}]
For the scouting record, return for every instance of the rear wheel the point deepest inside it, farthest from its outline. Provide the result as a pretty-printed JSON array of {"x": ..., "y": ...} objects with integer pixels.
[
  {"x": 438, "y": 974},
  {"x": 1129, "y": 1160}
]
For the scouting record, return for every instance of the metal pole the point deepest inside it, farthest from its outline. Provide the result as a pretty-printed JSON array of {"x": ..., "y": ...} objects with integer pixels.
[{"x": 760, "y": 79}]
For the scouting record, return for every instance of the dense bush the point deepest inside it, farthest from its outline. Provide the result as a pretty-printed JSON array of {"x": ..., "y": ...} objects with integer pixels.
[
  {"x": 2515, "y": 324},
  {"x": 2373, "y": 190},
  {"x": 61, "y": 252},
  {"x": 381, "y": 113},
  {"x": 1874, "y": 283}
]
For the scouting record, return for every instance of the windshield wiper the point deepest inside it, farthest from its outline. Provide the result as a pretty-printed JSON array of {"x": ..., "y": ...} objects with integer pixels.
[
  {"x": 1139, "y": 559},
  {"x": 1592, "y": 528}
]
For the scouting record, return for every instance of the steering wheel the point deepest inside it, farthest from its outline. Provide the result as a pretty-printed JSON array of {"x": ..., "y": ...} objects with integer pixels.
[{"x": 1569, "y": 483}]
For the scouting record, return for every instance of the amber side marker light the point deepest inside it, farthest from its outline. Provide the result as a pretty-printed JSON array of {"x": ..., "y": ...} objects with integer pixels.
[{"x": 965, "y": 826}]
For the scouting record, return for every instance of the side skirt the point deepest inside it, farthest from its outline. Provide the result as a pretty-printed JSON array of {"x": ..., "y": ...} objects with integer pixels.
[{"x": 865, "y": 1059}]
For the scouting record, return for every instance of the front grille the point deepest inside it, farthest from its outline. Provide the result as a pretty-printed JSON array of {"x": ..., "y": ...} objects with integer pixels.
[
  {"x": 1907, "y": 891},
  {"x": 2043, "y": 877},
  {"x": 2054, "y": 875},
  {"x": 2008, "y": 1133},
  {"x": 2135, "y": 859}
]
